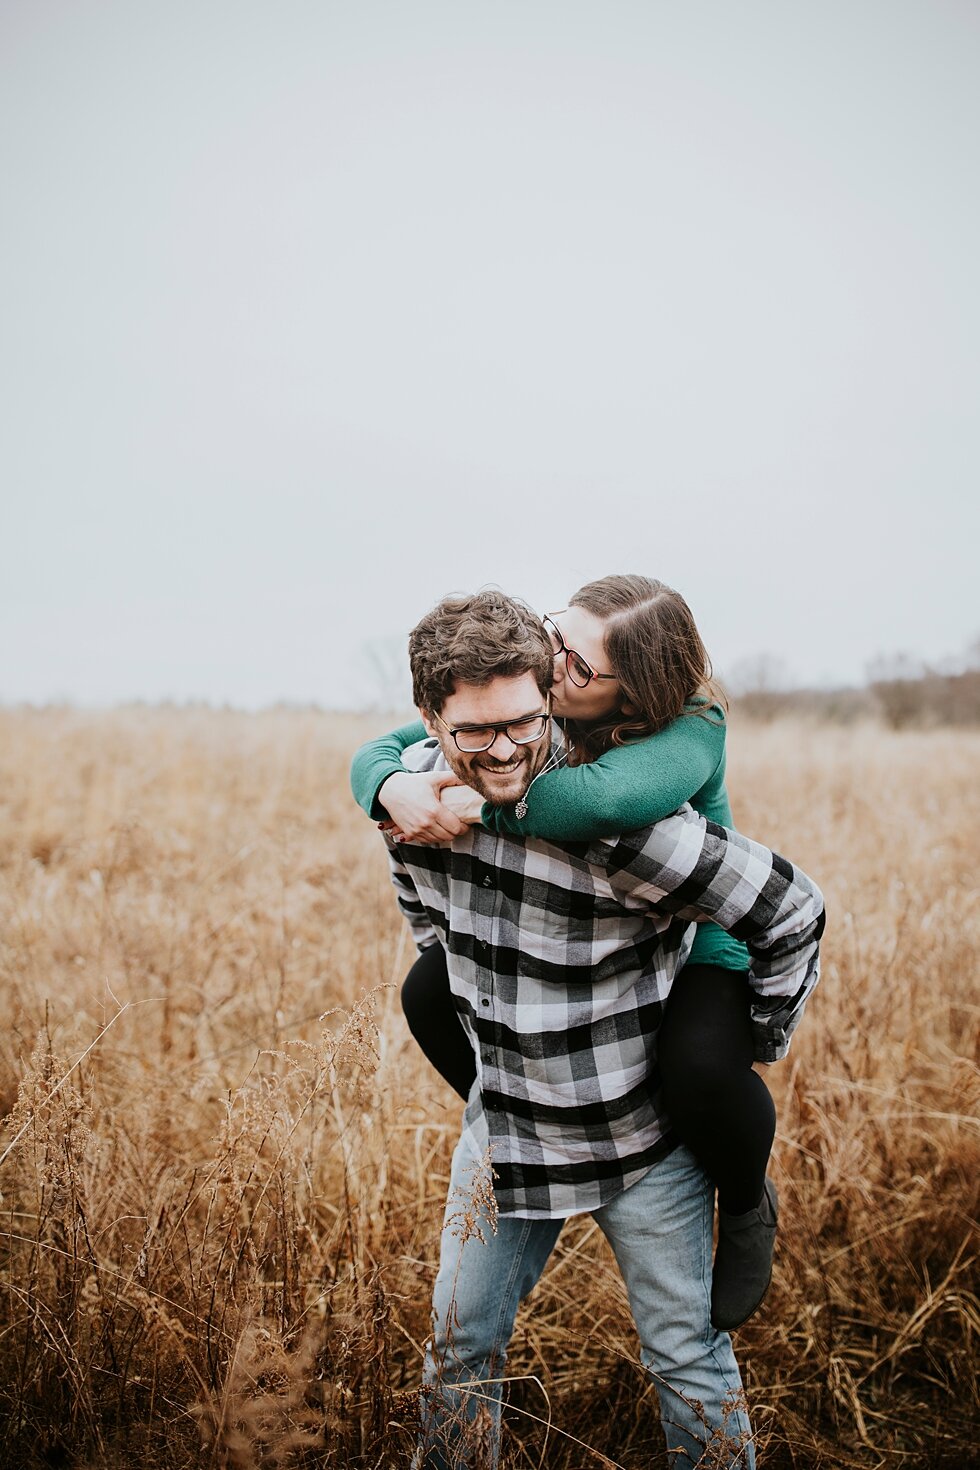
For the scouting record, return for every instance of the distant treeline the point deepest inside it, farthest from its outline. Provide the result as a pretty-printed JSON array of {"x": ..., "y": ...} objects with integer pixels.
[{"x": 902, "y": 702}]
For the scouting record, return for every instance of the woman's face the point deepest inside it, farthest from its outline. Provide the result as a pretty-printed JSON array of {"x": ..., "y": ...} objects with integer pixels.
[{"x": 584, "y": 634}]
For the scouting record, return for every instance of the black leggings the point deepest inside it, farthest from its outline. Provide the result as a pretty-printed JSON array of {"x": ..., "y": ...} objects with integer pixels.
[{"x": 717, "y": 1105}]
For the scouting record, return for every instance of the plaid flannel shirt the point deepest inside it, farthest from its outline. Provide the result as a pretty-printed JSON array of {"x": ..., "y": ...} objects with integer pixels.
[{"x": 561, "y": 957}]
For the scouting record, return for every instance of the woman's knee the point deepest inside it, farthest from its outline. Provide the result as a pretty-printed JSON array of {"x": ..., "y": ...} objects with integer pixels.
[
  {"x": 699, "y": 1077},
  {"x": 705, "y": 1042},
  {"x": 425, "y": 986},
  {"x": 412, "y": 997}
]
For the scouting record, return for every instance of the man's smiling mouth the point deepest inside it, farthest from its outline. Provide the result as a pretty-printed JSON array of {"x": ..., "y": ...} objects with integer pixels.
[{"x": 503, "y": 770}]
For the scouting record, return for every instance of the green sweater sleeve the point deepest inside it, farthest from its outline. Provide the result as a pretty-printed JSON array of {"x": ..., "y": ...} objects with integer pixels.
[
  {"x": 376, "y": 761},
  {"x": 629, "y": 786}
]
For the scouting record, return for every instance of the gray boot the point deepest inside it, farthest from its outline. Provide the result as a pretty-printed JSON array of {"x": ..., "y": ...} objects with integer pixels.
[{"x": 743, "y": 1261}]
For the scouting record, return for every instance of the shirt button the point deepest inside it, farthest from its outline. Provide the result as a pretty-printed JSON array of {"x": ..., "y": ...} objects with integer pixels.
[
  {"x": 484, "y": 1002},
  {"x": 487, "y": 883}
]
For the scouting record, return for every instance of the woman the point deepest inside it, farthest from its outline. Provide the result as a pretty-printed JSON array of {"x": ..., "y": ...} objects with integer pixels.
[{"x": 644, "y": 733}]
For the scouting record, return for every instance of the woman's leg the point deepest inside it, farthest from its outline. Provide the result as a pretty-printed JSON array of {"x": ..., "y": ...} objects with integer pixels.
[
  {"x": 431, "y": 1015},
  {"x": 723, "y": 1112},
  {"x": 719, "y": 1107}
]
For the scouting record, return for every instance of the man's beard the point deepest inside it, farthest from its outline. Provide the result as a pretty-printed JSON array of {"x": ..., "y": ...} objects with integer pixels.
[{"x": 499, "y": 790}]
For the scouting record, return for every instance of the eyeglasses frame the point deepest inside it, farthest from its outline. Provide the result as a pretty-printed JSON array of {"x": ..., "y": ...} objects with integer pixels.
[
  {"x": 498, "y": 727},
  {"x": 563, "y": 648}
]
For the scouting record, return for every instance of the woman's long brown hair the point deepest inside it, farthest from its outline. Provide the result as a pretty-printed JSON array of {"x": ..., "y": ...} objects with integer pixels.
[{"x": 656, "y": 653}]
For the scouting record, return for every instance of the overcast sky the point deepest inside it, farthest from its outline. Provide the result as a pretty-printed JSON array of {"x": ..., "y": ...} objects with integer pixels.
[{"x": 312, "y": 312}]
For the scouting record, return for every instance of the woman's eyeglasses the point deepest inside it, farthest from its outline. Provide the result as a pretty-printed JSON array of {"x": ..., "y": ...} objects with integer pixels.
[{"x": 580, "y": 672}]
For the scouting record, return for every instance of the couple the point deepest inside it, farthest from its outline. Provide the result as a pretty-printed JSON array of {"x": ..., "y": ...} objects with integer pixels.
[{"x": 563, "y": 910}]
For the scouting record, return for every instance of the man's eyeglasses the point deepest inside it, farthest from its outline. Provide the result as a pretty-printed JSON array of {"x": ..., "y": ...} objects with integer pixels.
[
  {"x": 471, "y": 739},
  {"x": 580, "y": 672}
]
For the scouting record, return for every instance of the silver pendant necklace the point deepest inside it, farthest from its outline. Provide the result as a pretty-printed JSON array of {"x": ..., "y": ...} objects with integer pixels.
[{"x": 554, "y": 761}]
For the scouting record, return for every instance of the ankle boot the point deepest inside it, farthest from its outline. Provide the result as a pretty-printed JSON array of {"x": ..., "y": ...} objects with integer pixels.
[{"x": 743, "y": 1261}]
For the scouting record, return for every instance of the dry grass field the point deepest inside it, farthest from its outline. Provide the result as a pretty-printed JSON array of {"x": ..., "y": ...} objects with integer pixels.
[{"x": 223, "y": 1162}]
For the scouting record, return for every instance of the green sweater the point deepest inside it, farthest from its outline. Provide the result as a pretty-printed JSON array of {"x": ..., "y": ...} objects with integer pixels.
[{"x": 629, "y": 786}]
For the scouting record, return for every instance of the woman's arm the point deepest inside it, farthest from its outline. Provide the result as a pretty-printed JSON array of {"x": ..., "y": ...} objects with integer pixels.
[
  {"x": 376, "y": 761},
  {"x": 411, "y": 799},
  {"x": 629, "y": 786}
]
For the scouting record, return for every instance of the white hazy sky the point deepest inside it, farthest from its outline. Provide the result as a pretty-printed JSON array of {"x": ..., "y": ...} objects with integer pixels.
[{"x": 311, "y": 312}]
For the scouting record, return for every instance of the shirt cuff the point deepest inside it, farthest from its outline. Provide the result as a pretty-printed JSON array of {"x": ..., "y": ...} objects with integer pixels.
[{"x": 769, "y": 1044}]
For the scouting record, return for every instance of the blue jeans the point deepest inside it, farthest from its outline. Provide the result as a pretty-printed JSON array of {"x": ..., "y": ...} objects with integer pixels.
[{"x": 660, "y": 1233}]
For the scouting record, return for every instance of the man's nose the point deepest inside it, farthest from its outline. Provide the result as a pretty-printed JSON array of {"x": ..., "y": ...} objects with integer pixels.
[{"x": 503, "y": 747}]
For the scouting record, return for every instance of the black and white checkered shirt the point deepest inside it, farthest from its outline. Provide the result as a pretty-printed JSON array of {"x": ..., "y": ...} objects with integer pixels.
[{"x": 560, "y": 960}]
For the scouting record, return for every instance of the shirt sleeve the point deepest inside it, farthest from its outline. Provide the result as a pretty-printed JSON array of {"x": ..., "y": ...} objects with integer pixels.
[
  {"x": 629, "y": 786},
  {"x": 695, "y": 870},
  {"x": 376, "y": 761},
  {"x": 409, "y": 902}
]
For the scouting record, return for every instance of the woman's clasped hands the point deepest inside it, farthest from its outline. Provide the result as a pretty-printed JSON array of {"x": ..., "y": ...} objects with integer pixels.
[{"x": 428, "y": 807}]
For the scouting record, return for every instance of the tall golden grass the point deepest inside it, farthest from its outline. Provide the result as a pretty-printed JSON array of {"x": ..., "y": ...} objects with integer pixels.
[{"x": 224, "y": 1164}]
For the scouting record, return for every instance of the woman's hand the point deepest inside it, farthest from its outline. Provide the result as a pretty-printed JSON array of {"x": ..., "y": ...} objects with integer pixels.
[{"x": 411, "y": 799}]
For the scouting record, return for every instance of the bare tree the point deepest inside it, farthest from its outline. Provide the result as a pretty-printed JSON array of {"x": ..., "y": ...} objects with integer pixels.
[{"x": 385, "y": 681}]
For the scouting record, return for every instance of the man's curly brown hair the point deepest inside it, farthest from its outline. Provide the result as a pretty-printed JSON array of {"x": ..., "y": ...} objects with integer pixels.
[{"x": 472, "y": 640}]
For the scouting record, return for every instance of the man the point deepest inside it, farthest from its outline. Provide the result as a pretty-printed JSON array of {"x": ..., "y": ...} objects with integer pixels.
[{"x": 561, "y": 957}]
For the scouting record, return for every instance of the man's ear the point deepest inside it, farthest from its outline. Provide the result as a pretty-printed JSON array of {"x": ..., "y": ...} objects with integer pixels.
[{"x": 426, "y": 717}]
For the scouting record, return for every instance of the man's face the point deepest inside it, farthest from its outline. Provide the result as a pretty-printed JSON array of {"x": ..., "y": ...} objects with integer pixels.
[{"x": 503, "y": 773}]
